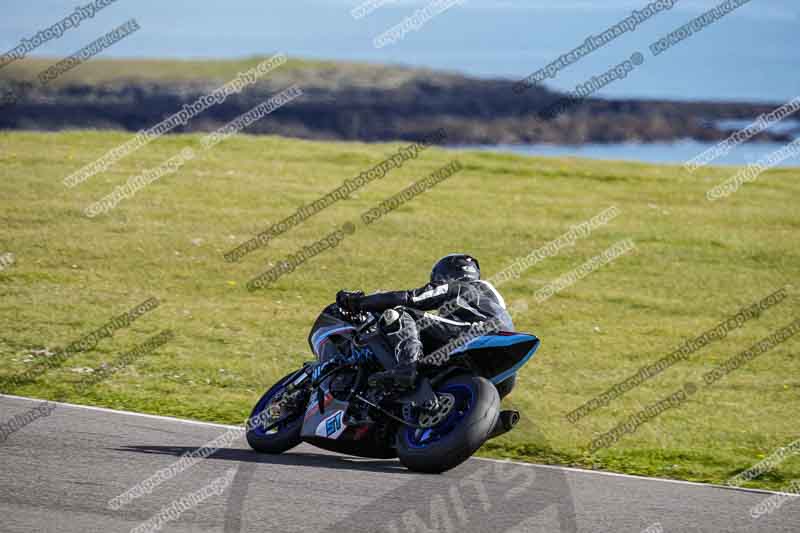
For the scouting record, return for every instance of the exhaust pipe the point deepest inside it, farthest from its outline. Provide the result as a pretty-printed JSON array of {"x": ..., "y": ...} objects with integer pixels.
[{"x": 505, "y": 423}]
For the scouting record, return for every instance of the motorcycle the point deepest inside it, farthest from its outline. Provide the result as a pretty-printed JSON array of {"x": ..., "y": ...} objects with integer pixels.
[{"x": 331, "y": 403}]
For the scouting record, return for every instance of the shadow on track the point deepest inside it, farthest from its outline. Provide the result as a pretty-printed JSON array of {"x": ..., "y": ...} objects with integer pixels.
[{"x": 320, "y": 460}]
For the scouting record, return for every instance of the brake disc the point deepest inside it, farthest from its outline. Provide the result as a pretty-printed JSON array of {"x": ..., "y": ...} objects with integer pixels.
[
  {"x": 435, "y": 417},
  {"x": 277, "y": 409},
  {"x": 274, "y": 411}
]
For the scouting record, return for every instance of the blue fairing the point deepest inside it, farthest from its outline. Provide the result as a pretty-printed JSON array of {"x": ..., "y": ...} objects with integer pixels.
[{"x": 500, "y": 341}]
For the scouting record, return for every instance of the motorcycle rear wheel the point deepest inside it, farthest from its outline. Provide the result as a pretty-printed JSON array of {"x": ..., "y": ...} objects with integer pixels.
[{"x": 465, "y": 428}]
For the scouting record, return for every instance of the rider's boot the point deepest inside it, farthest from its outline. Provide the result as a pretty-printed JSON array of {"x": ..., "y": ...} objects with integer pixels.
[
  {"x": 403, "y": 376},
  {"x": 403, "y": 336}
]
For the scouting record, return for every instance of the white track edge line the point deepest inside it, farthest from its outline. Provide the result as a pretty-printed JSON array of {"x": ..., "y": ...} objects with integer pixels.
[
  {"x": 520, "y": 463},
  {"x": 633, "y": 476},
  {"x": 130, "y": 413}
]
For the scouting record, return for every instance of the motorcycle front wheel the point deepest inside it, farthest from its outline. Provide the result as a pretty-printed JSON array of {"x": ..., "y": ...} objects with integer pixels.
[{"x": 282, "y": 438}]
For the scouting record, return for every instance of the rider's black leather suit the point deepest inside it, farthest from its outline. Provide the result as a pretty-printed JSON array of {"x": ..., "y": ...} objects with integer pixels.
[{"x": 462, "y": 305}]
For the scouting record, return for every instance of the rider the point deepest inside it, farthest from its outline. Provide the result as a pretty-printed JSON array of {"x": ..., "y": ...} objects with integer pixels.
[{"x": 456, "y": 289}]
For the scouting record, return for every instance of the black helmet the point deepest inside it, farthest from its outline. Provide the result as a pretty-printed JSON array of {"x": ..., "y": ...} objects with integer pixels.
[{"x": 456, "y": 267}]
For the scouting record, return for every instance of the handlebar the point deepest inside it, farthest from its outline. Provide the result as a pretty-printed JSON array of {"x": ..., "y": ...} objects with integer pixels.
[{"x": 361, "y": 320}]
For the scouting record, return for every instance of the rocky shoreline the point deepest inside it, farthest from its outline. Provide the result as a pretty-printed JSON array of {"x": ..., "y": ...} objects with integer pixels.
[{"x": 472, "y": 111}]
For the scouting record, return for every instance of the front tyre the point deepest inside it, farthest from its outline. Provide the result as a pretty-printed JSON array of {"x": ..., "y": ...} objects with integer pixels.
[
  {"x": 474, "y": 412},
  {"x": 282, "y": 438}
]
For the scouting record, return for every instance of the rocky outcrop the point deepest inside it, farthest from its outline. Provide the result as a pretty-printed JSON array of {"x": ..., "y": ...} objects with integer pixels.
[{"x": 473, "y": 111}]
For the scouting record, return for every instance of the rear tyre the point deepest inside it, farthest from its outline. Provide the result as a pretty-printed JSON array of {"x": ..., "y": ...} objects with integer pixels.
[
  {"x": 465, "y": 428},
  {"x": 286, "y": 436}
]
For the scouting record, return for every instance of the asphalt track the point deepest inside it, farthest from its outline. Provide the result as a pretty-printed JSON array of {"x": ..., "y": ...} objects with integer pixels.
[{"x": 59, "y": 472}]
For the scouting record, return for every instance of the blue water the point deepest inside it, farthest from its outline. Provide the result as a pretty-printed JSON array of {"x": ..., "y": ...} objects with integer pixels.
[
  {"x": 750, "y": 55},
  {"x": 662, "y": 152},
  {"x": 676, "y": 153}
]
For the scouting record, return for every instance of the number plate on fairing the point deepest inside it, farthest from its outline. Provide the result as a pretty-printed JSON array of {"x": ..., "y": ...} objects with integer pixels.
[
  {"x": 328, "y": 425},
  {"x": 331, "y": 427}
]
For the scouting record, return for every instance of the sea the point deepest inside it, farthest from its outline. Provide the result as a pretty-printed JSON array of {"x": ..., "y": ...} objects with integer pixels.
[{"x": 751, "y": 54}]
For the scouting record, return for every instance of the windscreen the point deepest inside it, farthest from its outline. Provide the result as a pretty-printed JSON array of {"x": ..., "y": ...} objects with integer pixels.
[{"x": 330, "y": 320}]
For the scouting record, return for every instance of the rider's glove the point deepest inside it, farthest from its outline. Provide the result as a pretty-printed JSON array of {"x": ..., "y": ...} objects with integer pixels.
[{"x": 349, "y": 301}]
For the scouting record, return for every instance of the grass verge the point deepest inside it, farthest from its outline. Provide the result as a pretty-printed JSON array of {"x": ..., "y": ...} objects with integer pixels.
[{"x": 695, "y": 263}]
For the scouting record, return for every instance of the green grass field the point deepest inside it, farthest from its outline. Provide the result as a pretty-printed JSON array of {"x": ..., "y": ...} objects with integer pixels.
[
  {"x": 306, "y": 72},
  {"x": 695, "y": 263}
]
